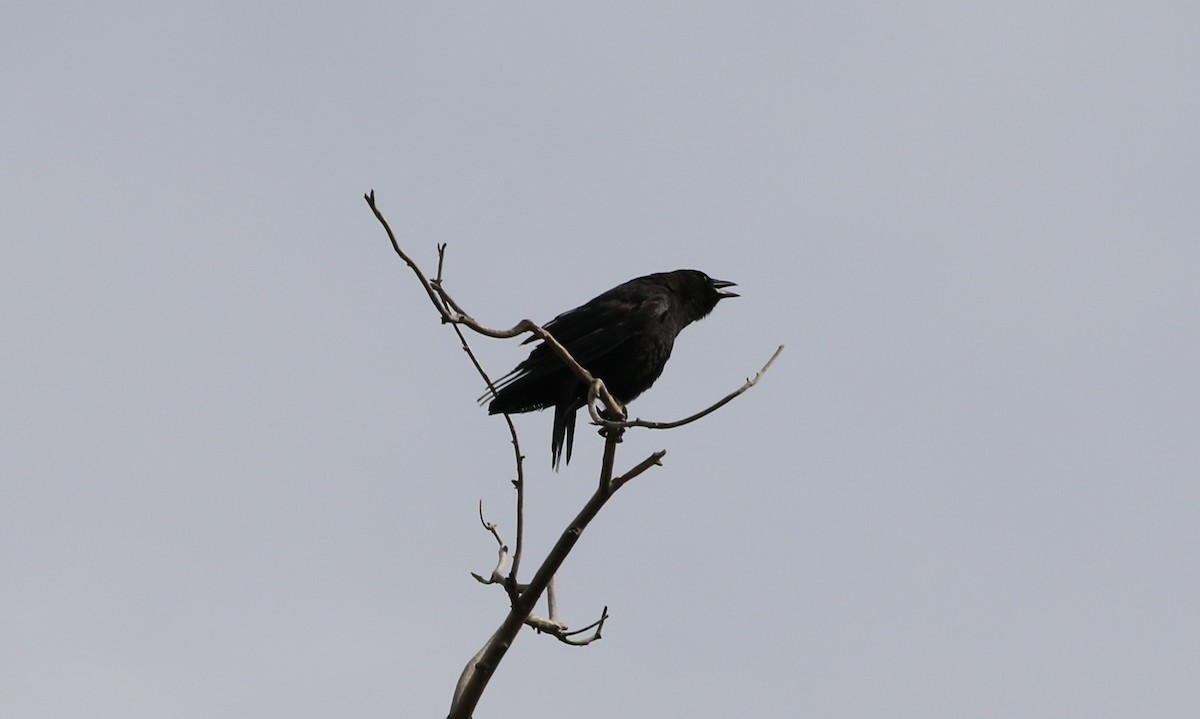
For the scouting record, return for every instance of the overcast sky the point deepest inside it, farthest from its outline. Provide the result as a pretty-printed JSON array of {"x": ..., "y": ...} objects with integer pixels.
[{"x": 240, "y": 460}]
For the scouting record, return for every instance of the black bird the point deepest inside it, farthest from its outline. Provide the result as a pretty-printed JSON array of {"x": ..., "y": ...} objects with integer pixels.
[{"x": 624, "y": 337}]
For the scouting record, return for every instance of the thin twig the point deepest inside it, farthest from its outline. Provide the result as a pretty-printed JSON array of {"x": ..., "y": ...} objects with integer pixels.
[
  {"x": 519, "y": 485},
  {"x": 502, "y": 558},
  {"x": 439, "y": 286},
  {"x": 519, "y": 482},
  {"x": 370, "y": 198},
  {"x": 654, "y": 460},
  {"x": 604, "y": 422},
  {"x": 565, "y": 637}
]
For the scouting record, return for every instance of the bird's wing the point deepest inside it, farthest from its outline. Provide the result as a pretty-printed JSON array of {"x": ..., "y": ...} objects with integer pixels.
[{"x": 593, "y": 330}]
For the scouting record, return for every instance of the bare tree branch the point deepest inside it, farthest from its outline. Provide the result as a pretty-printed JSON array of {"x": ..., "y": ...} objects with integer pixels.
[
  {"x": 433, "y": 297},
  {"x": 483, "y": 665},
  {"x": 598, "y": 625},
  {"x": 519, "y": 485},
  {"x": 502, "y": 560},
  {"x": 654, "y": 460},
  {"x": 599, "y": 419},
  {"x": 552, "y": 600},
  {"x": 612, "y": 418},
  {"x": 553, "y": 625},
  {"x": 450, "y": 313},
  {"x": 441, "y": 250},
  {"x": 543, "y": 625},
  {"x": 519, "y": 482},
  {"x": 565, "y": 635}
]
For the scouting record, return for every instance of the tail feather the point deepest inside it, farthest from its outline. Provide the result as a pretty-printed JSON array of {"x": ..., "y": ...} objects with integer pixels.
[
  {"x": 515, "y": 396},
  {"x": 564, "y": 434}
]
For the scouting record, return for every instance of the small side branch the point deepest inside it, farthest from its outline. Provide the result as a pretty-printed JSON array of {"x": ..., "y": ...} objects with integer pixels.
[
  {"x": 497, "y": 576},
  {"x": 599, "y": 419},
  {"x": 654, "y": 460},
  {"x": 433, "y": 295},
  {"x": 598, "y": 626},
  {"x": 568, "y": 636},
  {"x": 518, "y": 483}
]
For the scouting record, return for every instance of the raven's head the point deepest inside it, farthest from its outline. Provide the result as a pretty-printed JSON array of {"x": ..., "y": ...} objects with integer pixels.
[{"x": 698, "y": 292}]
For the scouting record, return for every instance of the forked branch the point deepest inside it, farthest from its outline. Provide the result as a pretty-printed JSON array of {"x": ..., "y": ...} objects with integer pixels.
[
  {"x": 452, "y": 314},
  {"x": 524, "y": 597},
  {"x": 482, "y": 666}
]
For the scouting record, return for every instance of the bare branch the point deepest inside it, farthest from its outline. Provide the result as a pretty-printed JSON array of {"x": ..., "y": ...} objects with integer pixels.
[
  {"x": 552, "y": 599},
  {"x": 519, "y": 482},
  {"x": 519, "y": 458},
  {"x": 480, "y": 669},
  {"x": 565, "y": 635},
  {"x": 614, "y": 420},
  {"x": 451, "y": 313},
  {"x": 595, "y": 384},
  {"x": 604, "y": 422},
  {"x": 441, "y": 249},
  {"x": 433, "y": 297},
  {"x": 519, "y": 485},
  {"x": 437, "y": 283},
  {"x": 502, "y": 560},
  {"x": 510, "y": 582},
  {"x": 654, "y": 460},
  {"x": 598, "y": 625},
  {"x": 544, "y": 626}
]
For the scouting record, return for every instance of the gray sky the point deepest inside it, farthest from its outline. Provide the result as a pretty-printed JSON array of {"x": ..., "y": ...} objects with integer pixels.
[{"x": 240, "y": 459}]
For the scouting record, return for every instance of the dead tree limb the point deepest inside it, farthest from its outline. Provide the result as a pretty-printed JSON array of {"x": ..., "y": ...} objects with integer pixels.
[
  {"x": 523, "y": 598},
  {"x": 482, "y": 666}
]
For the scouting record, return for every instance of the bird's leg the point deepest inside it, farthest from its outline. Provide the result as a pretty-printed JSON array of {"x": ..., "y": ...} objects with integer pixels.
[
  {"x": 617, "y": 433},
  {"x": 604, "y": 432}
]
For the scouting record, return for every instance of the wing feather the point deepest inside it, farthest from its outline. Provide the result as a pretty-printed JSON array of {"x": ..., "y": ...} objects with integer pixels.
[{"x": 588, "y": 332}]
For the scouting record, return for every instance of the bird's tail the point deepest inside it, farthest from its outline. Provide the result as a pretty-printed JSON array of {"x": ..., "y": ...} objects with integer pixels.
[{"x": 564, "y": 434}]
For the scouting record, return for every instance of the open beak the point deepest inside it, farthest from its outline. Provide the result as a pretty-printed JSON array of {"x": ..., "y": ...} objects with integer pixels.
[{"x": 720, "y": 285}]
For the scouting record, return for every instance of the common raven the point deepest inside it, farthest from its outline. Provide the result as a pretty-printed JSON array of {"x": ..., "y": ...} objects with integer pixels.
[{"x": 623, "y": 336}]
